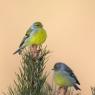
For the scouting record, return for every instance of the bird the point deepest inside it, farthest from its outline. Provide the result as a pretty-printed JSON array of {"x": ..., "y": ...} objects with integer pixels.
[
  {"x": 35, "y": 36},
  {"x": 64, "y": 77}
]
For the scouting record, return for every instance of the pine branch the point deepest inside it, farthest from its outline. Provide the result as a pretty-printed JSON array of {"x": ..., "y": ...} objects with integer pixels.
[
  {"x": 31, "y": 79},
  {"x": 93, "y": 90}
]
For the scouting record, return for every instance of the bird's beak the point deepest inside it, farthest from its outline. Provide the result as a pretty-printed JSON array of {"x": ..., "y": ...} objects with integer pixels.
[{"x": 52, "y": 69}]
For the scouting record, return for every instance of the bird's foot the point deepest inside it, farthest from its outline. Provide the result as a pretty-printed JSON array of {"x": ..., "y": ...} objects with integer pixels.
[
  {"x": 34, "y": 50},
  {"x": 62, "y": 91},
  {"x": 59, "y": 91}
]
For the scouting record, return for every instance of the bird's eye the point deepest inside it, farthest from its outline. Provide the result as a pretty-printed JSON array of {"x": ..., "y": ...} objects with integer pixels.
[{"x": 37, "y": 25}]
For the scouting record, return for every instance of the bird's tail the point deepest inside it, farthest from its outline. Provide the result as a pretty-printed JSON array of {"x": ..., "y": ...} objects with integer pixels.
[
  {"x": 18, "y": 51},
  {"x": 76, "y": 87}
]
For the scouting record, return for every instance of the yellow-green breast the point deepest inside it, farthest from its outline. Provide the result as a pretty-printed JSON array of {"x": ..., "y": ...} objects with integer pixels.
[
  {"x": 38, "y": 37},
  {"x": 61, "y": 80}
]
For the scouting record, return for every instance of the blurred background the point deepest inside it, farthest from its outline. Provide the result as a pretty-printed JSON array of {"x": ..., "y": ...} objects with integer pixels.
[{"x": 70, "y": 26}]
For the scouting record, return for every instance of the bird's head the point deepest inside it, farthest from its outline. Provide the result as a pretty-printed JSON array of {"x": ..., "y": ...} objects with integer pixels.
[
  {"x": 37, "y": 25},
  {"x": 58, "y": 66}
]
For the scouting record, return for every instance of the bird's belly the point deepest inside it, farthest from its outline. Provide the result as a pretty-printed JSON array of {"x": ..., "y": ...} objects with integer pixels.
[
  {"x": 38, "y": 38},
  {"x": 62, "y": 80}
]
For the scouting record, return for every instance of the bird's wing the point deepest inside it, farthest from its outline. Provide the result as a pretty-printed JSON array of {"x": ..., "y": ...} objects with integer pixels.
[
  {"x": 70, "y": 72},
  {"x": 25, "y": 37}
]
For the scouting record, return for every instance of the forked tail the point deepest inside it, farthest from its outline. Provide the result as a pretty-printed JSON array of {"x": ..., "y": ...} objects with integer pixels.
[
  {"x": 18, "y": 51},
  {"x": 76, "y": 87}
]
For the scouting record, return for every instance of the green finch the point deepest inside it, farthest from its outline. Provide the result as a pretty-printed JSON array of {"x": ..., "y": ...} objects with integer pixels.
[
  {"x": 35, "y": 36},
  {"x": 64, "y": 77}
]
